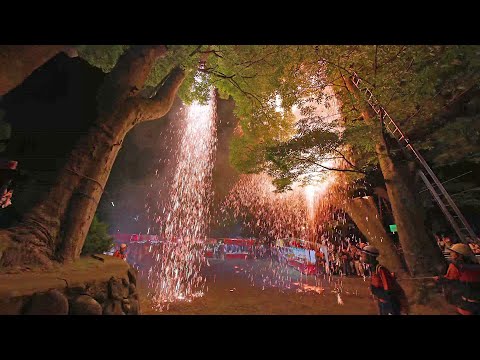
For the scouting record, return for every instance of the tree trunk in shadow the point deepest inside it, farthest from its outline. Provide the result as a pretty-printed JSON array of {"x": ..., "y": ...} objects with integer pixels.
[
  {"x": 421, "y": 253},
  {"x": 17, "y": 62},
  {"x": 365, "y": 215},
  {"x": 55, "y": 229}
]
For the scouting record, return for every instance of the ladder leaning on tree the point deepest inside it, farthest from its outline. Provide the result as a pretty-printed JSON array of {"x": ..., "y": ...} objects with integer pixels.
[{"x": 441, "y": 196}]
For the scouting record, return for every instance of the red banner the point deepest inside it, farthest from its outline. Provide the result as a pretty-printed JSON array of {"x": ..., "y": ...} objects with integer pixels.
[
  {"x": 240, "y": 242},
  {"x": 303, "y": 268},
  {"x": 236, "y": 256}
]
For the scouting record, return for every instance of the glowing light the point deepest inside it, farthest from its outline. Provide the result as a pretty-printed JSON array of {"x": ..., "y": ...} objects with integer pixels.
[
  {"x": 253, "y": 199},
  {"x": 278, "y": 104},
  {"x": 176, "y": 274},
  {"x": 339, "y": 299}
]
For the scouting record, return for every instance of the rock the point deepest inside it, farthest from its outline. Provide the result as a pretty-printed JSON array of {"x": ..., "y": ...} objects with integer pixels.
[
  {"x": 77, "y": 290},
  {"x": 132, "y": 275},
  {"x": 98, "y": 290},
  {"x": 101, "y": 297},
  {"x": 132, "y": 289},
  {"x": 53, "y": 302},
  {"x": 85, "y": 305},
  {"x": 116, "y": 289},
  {"x": 134, "y": 307},
  {"x": 113, "y": 307},
  {"x": 12, "y": 306},
  {"x": 125, "y": 282},
  {"x": 126, "y": 305}
]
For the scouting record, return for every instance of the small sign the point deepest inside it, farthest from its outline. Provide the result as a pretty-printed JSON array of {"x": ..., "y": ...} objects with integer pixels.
[{"x": 393, "y": 228}]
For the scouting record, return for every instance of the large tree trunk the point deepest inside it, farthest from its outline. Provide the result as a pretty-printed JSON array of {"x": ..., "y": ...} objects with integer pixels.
[
  {"x": 365, "y": 215},
  {"x": 56, "y": 228},
  {"x": 17, "y": 62},
  {"x": 422, "y": 255}
]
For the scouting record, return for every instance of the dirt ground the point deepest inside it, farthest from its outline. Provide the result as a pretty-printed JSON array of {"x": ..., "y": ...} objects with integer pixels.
[{"x": 260, "y": 287}]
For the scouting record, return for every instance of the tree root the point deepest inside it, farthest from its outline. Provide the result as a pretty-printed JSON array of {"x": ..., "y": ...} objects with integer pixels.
[{"x": 19, "y": 251}]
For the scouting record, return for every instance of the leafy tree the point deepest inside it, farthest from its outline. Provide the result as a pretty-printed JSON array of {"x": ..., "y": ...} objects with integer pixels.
[
  {"x": 413, "y": 82},
  {"x": 306, "y": 158},
  {"x": 97, "y": 241}
]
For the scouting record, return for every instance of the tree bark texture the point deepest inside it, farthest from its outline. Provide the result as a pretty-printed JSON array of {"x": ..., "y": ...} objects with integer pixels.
[
  {"x": 422, "y": 255},
  {"x": 56, "y": 228},
  {"x": 365, "y": 215}
]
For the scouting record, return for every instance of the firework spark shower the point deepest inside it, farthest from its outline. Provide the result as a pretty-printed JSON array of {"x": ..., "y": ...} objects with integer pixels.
[
  {"x": 274, "y": 214},
  {"x": 290, "y": 213},
  {"x": 176, "y": 273}
]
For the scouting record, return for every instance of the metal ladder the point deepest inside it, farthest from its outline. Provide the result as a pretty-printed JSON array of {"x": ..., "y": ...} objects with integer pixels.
[{"x": 441, "y": 196}]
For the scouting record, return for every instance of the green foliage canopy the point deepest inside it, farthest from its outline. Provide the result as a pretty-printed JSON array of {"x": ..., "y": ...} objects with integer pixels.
[
  {"x": 97, "y": 241},
  {"x": 414, "y": 82}
]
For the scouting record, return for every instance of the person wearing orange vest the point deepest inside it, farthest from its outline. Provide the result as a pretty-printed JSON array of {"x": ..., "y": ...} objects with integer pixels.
[
  {"x": 384, "y": 287},
  {"x": 121, "y": 253},
  {"x": 463, "y": 277}
]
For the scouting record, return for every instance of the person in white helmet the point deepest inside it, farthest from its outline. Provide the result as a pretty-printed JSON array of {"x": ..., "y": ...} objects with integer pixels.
[
  {"x": 384, "y": 287},
  {"x": 463, "y": 280},
  {"x": 122, "y": 252}
]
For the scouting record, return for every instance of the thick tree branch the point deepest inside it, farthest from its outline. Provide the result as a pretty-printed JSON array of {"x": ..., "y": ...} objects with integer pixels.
[
  {"x": 129, "y": 75},
  {"x": 157, "y": 106},
  {"x": 365, "y": 109}
]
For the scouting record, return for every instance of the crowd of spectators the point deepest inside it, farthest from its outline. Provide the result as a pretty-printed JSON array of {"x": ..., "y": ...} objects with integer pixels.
[
  {"x": 343, "y": 259},
  {"x": 445, "y": 242}
]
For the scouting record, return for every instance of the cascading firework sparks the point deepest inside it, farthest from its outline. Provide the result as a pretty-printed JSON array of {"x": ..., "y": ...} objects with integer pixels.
[
  {"x": 292, "y": 213},
  {"x": 271, "y": 214},
  {"x": 298, "y": 213},
  {"x": 176, "y": 273}
]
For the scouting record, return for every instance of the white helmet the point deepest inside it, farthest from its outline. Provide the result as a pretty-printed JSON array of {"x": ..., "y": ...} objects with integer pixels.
[{"x": 371, "y": 250}]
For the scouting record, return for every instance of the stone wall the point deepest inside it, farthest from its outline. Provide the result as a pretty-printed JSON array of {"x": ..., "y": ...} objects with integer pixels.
[{"x": 84, "y": 288}]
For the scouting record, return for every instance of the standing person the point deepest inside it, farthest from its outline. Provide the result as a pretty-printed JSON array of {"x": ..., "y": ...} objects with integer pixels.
[
  {"x": 319, "y": 261},
  {"x": 463, "y": 280},
  {"x": 386, "y": 290},
  {"x": 357, "y": 262},
  {"x": 122, "y": 252},
  {"x": 345, "y": 262}
]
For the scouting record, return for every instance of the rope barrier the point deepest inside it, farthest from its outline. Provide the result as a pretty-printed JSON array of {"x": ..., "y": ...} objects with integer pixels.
[{"x": 86, "y": 177}]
